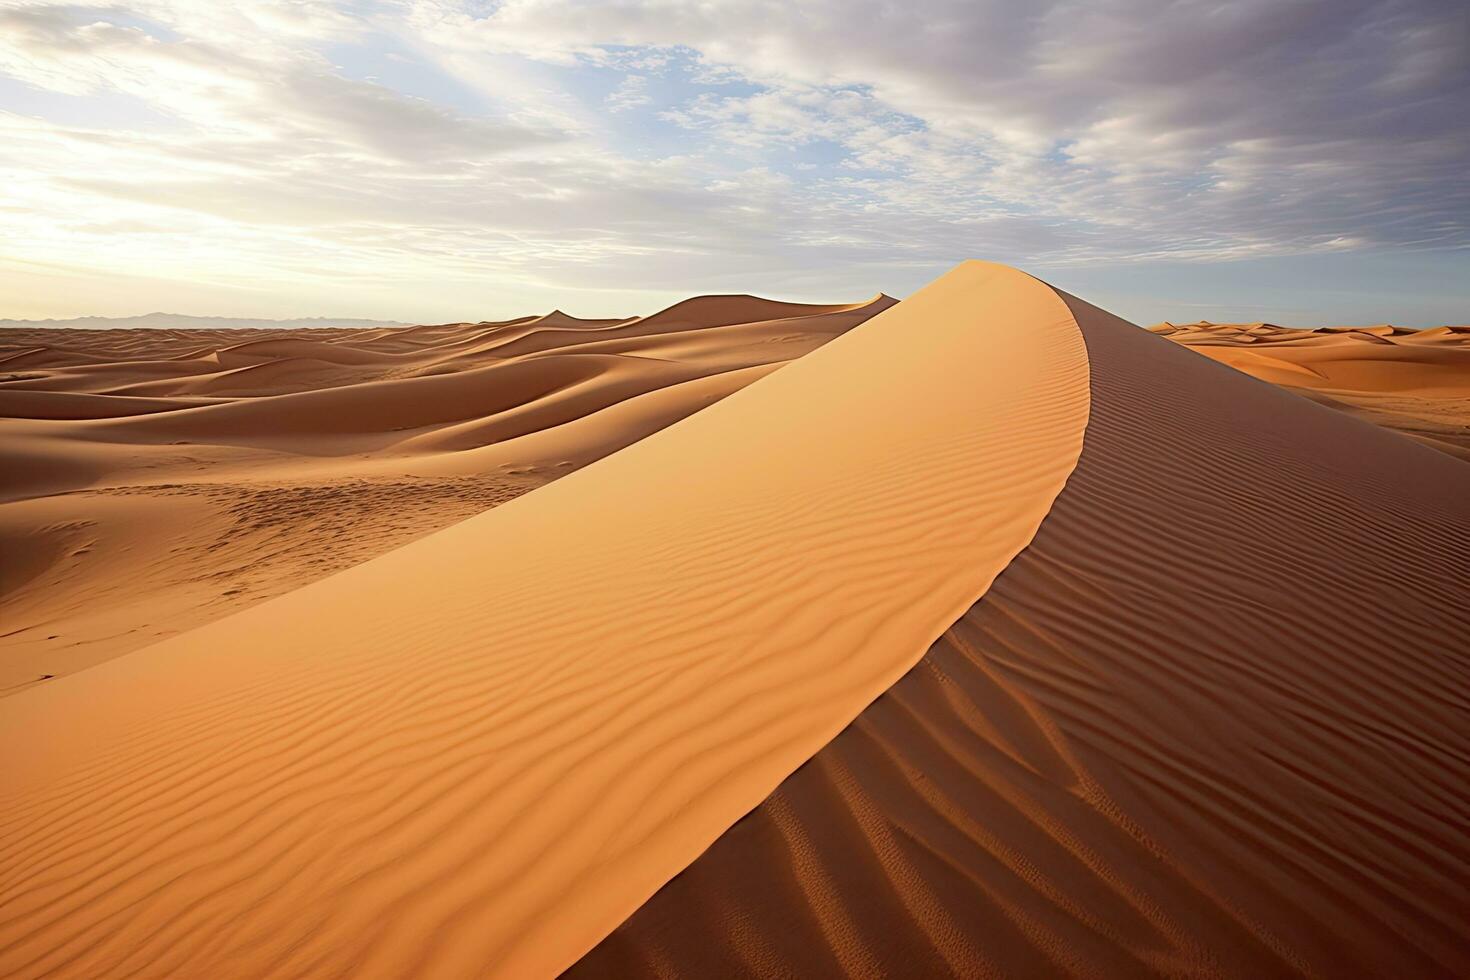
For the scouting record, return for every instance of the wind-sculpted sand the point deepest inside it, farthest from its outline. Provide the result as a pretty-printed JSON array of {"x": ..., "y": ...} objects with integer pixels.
[
  {"x": 155, "y": 480},
  {"x": 1209, "y": 719},
  {"x": 1213, "y": 721},
  {"x": 1416, "y": 382},
  {"x": 479, "y": 753}
]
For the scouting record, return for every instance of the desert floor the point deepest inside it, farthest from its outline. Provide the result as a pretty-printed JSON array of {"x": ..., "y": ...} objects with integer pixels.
[{"x": 978, "y": 634}]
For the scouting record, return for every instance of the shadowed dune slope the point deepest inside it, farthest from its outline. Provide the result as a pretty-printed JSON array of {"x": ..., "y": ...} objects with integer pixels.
[
  {"x": 1213, "y": 721},
  {"x": 477, "y": 754},
  {"x": 1416, "y": 382},
  {"x": 155, "y": 480}
]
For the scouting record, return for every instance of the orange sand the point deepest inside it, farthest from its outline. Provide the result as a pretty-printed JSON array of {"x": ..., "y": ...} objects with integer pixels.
[
  {"x": 126, "y": 515},
  {"x": 1213, "y": 721},
  {"x": 1210, "y": 721},
  {"x": 480, "y": 752},
  {"x": 1416, "y": 382}
]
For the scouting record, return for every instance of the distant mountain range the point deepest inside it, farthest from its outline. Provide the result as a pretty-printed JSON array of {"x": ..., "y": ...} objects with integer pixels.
[{"x": 182, "y": 321}]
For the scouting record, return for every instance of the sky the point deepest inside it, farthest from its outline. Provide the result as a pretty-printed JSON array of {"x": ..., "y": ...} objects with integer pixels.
[{"x": 1301, "y": 161}]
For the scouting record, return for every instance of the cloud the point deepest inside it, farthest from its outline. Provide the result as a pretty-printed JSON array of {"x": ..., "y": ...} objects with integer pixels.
[
  {"x": 631, "y": 93},
  {"x": 1256, "y": 123},
  {"x": 822, "y": 146},
  {"x": 263, "y": 92}
]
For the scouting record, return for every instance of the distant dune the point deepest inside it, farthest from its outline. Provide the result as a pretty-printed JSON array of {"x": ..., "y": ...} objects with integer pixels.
[
  {"x": 1416, "y": 382},
  {"x": 156, "y": 480},
  {"x": 981, "y": 634}
]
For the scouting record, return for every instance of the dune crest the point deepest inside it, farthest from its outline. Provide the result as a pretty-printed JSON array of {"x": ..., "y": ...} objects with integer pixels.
[
  {"x": 1211, "y": 722},
  {"x": 481, "y": 752}
]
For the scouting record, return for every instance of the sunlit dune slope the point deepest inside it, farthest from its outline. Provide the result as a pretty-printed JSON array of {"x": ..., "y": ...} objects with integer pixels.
[
  {"x": 1213, "y": 721},
  {"x": 480, "y": 753},
  {"x": 1416, "y": 382},
  {"x": 155, "y": 480}
]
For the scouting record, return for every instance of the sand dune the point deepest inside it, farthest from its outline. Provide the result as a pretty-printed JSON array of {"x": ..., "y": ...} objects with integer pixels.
[
  {"x": 154, "y": 480},
  {"x": 1212, "y": 721},
  {"x": 994, "y": 636},
  {"x": 479, "y": 753},
  {"x": 1416, "y": 382}
]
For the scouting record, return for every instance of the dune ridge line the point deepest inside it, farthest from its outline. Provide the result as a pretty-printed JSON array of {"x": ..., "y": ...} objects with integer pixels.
[
  {"x": 481, "y": 752},
  {"x": 1211, "y": 722}
]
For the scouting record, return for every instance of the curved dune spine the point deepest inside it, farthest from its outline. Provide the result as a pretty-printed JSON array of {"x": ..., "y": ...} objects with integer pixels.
[{"x": 1213, "y": 721}]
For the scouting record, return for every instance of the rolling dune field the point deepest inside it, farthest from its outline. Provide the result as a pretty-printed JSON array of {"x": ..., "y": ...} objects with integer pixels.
[
  {"x": 1416, "y": 382},
  {"x": 154, "y": 480}
]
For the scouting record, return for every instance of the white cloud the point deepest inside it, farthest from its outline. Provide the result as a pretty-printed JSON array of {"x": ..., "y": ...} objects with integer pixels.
[{"x": 631, "y": 93}]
